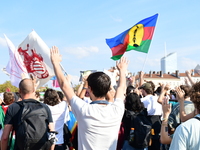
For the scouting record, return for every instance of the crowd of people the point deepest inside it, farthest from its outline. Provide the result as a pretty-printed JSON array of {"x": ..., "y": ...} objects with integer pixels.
[{"x": 134, "y": 115}]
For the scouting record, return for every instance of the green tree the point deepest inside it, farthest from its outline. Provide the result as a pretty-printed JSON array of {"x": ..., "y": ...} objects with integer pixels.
[
  {"x": 76, "y": 86},
  {"x": 7, "y": 85}
]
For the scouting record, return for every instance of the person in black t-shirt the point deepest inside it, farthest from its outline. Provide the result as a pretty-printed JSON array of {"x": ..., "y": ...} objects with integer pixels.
[{"x": 27, "y": 92}]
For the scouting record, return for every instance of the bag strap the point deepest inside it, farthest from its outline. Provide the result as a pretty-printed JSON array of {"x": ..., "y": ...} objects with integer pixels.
[
  {"x": 23, "y": 103},
  {"x": 30, "y": 100},
  {"x": 100, "y": 102},
  {"x": 132, "y": 117},
  {"x": 197, "y": 118}
]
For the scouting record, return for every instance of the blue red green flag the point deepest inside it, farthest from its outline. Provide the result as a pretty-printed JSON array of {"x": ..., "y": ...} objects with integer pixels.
[{"x": 136, "y": 38}]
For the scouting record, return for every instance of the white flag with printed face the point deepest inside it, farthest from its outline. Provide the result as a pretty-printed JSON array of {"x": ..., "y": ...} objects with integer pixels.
[
  {"x": 15, "y": 66},
  {"x": 35, "y": 55}
]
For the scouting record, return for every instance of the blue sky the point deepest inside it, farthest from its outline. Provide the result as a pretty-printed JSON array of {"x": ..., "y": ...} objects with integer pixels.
[{"x": 79, "y": 29}]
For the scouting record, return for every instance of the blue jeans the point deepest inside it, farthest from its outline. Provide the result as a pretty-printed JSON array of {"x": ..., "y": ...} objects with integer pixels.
[{"x": 126, "y": 146}]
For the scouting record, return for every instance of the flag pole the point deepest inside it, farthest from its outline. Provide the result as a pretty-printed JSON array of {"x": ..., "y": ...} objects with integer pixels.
[
  {"x": 65, "y": 73},
  {"x": 145, "y": 62},
  {"x": 63, "y": 69}
]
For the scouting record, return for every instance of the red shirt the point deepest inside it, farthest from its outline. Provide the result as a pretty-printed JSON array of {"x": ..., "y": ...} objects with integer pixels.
[{"x": 5, "y": 108}]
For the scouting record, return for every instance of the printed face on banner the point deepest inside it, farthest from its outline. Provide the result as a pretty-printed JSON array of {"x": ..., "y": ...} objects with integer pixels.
[{"x": 33, "y": 62}]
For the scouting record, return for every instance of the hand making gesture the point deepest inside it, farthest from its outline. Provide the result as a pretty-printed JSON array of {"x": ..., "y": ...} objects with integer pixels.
[
  {"x": 122, "y": 65},
  {"x": 55, "y": 55}
]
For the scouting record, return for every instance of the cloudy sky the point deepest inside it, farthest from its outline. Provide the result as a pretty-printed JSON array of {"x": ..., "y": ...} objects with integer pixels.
[{"x": 79, "y": 29}]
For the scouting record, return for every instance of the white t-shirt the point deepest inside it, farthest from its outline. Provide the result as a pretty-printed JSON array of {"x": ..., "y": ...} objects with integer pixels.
[
  {"x": 87, "y": 99},
  {"x": 98, "y": 125},
  {"x": 153, "y": 107},
  {"x": 60, "y": 115},
  {"x": 187, "y": 136}
]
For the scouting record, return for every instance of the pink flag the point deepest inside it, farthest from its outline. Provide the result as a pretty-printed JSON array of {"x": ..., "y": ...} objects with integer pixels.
[
  {"x": 15, "y": 66},
  {"x": 55, "y": 83}
]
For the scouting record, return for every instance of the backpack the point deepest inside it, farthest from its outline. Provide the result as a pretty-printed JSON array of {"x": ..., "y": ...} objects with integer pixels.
[
  {"x": 66, "y": 137},
  {"x": 142, "y": 129},
  {"x": 32, "y": 130}
]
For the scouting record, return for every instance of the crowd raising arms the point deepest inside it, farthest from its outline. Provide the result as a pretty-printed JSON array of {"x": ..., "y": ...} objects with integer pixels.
[
  {"x": 93, "y": 118},
  {"x": 111, "y": 96}
]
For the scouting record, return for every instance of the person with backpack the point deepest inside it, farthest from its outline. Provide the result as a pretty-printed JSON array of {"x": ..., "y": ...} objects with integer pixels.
[
  {"x": 136, "y": 118},
  {"x": 154, "y": 110},
  {"x": 31, "y": 121},
  {"x": 98, "y": 121}
]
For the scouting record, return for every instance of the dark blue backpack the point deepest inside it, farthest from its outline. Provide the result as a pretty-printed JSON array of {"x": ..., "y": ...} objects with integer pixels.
[{"x": 142, "y": 129}]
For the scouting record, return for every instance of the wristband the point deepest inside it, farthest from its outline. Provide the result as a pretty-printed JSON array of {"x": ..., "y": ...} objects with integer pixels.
[
  {"x": 164, "y": 124},
  {"x": 84, "y": 88},
  {"x": 164, "y": 119}
]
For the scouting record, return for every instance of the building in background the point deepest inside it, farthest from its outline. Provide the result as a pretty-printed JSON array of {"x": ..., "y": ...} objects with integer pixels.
[
  {"x": 169, "y": 63},
  {"x": 173, "y": 79},
  {"x": 197, "y": 69}
]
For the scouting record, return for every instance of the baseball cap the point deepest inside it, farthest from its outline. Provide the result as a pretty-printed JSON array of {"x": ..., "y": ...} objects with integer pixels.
[{"x": 146, "y": 86}]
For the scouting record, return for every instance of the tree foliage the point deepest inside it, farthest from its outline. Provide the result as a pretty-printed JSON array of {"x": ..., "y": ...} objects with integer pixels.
[
  {"x": 8, "y": 85},
  {"x": 76, "y": 86}
]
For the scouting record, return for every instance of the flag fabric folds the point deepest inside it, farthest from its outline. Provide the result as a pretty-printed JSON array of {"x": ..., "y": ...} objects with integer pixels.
[
  {"x": 31, "y": 57},
  {"x": 15, "y": 66},
  {"x": 72, "y": 123},
  {"x": 36, "y": 57},
  {"x": 136, "y": 38},
  {"x": 55, "y": 82}
]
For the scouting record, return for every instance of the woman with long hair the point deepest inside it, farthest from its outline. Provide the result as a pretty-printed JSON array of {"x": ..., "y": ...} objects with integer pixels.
[
  {"x": 59, "y": 111},
  {"x": 133, "y": 105}
]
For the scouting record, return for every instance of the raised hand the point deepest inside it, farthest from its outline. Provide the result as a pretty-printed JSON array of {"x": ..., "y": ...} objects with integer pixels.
[
  {"x": 180, "y": 94},
  {"x": 141, "y": 74},
  {"x": 55, "y": 55},
  {"x": 165, "y": 88},
  {"x": 122, "y": 64},
  {"x": 188, "y": 72},
  {"x": 166, "y": 107}
]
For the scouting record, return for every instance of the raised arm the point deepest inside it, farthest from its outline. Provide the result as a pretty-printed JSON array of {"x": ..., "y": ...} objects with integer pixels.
[
  {"x": 62, "y": 80},
  {"x": 141, "y": 78},
  {"x": 111, "y": 94},
  {"x": 84, "y": 89},
  {"x": 164, "y": 136},
  {"x": 165, "y": 88},
  {"x": 132, "y": 80},
  {"x": 80, "y": 88},
  {"x": 188, "y": 74},
  {"x": 122, "y": 66},
  {"x": 180, "y": 96}
]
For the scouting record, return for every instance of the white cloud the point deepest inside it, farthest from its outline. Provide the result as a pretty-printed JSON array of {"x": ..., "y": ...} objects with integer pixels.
[
  {"x": 116, "y": 19},
  {"x": 187, "y": 63},
  {"x": 2, "y": 42},
  {"x": 81, "y": 52},
  {"x": 184, "y": 51},
  {"x": 149, "y": 61}
]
